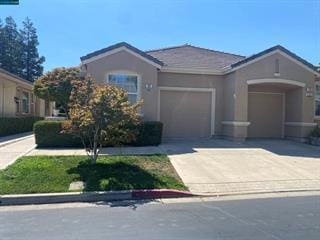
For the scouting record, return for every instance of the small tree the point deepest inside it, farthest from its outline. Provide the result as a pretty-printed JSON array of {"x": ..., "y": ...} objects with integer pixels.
[
  {"x": 101, "y": 113},
  {"x": 56, "y": 85}
]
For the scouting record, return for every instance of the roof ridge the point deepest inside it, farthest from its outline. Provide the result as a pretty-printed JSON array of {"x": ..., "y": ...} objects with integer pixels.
[
  {"x": 167, "y": 48},
  {"x": 190, "y": 45},
  {"x": 212, "y": 50}
]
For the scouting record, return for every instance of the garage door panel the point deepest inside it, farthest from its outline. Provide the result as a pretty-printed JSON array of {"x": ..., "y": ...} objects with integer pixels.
[
  {"x": 265, "y": 114},
  {"x": 185, "y": 113}
]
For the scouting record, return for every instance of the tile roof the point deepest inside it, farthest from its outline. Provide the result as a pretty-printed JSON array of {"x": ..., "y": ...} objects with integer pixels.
[
  {"x": 118, "y": 45},
  {"x": 188, "y": 56},
  {"x": 191, "y": 57},
  {"x": 269, "y": 50}
]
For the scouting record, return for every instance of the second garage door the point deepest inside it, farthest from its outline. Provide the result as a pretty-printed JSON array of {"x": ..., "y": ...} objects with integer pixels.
[
  {"x": 266, "y": 115},
  {"x": 186, "y": 113}
]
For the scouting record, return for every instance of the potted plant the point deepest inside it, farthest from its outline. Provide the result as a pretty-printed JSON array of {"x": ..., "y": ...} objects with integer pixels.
[{"x": 315, "y": 136}]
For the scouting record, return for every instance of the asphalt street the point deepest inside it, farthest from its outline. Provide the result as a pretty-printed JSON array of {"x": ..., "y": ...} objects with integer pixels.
[{"x": 292, "y": 218}]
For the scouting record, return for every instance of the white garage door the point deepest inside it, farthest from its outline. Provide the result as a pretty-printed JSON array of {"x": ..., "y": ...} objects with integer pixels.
[
  {"x": 266, "y": 115},
  {"x": 187, "y": 113}
]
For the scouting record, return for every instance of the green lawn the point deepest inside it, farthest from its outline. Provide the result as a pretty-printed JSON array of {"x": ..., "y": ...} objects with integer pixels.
[{"x": 44, "y": 174}]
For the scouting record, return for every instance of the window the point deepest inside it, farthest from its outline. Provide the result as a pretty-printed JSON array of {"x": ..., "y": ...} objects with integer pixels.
[
  {"x": 127, "y": 82},
  {"x": 17, "y": 101},
  {"x": 317, "y": 99},
  {"x": 25, "y": 102},
  {"x": 276, "y": 68}
]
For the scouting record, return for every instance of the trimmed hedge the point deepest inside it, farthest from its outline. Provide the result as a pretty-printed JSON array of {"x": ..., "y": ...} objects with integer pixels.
[
  {"x": 315, "y": 132},
  {"x": 48, "y": 134},
  {"x": 14, "y": 125},
  {"x": 149, "y": 134}
]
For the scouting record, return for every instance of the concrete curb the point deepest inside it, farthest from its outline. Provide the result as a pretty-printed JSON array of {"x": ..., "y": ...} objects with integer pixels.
[{"x": 47, "y": 198}]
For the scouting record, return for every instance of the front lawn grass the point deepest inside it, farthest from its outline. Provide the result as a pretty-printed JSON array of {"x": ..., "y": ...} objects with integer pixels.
[{"x": 47, "y": 174}]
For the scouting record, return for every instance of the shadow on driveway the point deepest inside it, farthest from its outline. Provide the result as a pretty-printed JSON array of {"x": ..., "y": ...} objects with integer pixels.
[{"x": 276, "y": 146}]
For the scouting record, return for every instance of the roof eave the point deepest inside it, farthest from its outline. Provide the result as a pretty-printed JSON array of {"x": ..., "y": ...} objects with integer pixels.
[
  {"x": 268, "y": 52},
  {"x": 121, "y": 47},
  {"x": 207, "y": 71},
  {"x": 14, "y": 77}
]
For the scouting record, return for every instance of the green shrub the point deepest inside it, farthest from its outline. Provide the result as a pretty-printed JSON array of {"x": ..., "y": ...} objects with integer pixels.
[
  {"x": 149, "y": 134},
  {"x": 14, "y": 125},
  {"x": 315, "y": 132},
  {"x": 48, "y": 134}
]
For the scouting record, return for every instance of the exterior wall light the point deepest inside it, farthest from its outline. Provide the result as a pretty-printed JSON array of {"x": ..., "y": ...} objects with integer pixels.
[{"x": 149, "y": 87}]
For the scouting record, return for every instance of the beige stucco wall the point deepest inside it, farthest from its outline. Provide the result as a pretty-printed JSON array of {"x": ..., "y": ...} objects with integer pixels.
[
  {"x": 198, "y": 81},
  {"x": 299, "y": 107},
  {"x": 8, "y": 92},
  {"x": 265, "y": 69},
  {"x": 231, "y": 100},
  {"x": 121, "y": 62}
]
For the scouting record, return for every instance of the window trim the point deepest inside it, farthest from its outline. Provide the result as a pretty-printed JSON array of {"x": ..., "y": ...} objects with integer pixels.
[
  {"x": 316, "y": 99},
  {"x": 128, "y": 73},
  {"x": 28, "y": 103}
]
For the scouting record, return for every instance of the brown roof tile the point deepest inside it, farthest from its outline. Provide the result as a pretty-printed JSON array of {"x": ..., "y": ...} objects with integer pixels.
[{"x": 188, "y": 56}]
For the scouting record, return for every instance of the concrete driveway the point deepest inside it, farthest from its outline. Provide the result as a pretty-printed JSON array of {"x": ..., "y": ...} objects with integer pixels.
[{"x": 221, "y": 167}]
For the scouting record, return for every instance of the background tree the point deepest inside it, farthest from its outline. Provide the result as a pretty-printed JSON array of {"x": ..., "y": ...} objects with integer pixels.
[
  {"x": 18, "y": 49},
  {"x": 101, "y": 113},
  {"x": 31, "y": 61},
  {"x": 1, "y": 42},
  {"x": 11, "y": 47},
  {"x": 56, "y": 85}
]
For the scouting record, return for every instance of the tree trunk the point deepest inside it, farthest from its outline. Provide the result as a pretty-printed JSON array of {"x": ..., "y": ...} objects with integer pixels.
[{"x": 95, "y": 150}]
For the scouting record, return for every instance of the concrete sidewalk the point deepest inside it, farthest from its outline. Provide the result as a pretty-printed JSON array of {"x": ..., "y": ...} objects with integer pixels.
[
  {"x": 14, "y": 138},
  {"x": 104, "y": 151},
  {"x": 12, "y": 150}
]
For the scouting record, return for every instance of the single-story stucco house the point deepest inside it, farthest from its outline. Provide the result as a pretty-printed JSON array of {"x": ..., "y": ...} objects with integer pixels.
[
  {"x": 17, "y": 98},
  {"x": 198, "y": 92}
]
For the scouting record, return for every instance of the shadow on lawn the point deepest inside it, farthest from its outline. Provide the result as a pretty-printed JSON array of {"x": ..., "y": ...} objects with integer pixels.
[{"x": 115, "y": 176}]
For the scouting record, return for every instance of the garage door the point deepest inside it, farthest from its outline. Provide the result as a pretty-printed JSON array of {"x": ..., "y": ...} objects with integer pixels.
[
  {"x": 265, "y": 114},
  {"x": 186, "y": 113}
]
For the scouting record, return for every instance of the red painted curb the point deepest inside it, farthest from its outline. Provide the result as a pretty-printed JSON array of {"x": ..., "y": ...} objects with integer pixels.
[{"x": 160, "y": 193}]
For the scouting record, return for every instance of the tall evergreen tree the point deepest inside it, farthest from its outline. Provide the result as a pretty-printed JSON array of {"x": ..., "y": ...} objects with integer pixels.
[
  {"x": 1, "y": 43},
  {"x": 31, "y": 60},
  {"x": 11, "y": 45}
]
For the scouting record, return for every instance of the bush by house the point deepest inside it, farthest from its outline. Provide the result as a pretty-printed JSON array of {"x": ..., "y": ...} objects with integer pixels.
[{"x": 49, "y": 134}]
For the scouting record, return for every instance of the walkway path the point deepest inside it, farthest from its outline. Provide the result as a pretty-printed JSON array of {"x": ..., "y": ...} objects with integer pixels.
[
  {"x": 11, "y": 151},
  {"x": 14, "y": 138}
]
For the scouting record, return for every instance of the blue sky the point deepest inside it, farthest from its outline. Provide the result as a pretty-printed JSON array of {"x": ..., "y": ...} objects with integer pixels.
[{"x": 68, "y": 29}]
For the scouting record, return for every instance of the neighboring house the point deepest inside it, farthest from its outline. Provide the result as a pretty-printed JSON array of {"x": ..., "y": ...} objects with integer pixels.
[
  {"x": 17, "y": 98},
  {"x": 198, "y": 92}
]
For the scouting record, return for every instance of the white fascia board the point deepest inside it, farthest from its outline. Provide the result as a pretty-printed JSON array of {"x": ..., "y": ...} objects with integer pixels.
[
  {"x": 190, "y": 71},
  {"x": 16, "y": 80},
  {"x": 300, "y": 124},
  {"x": 123, "y": 48},
  {"x": 276, "y": 80},
  {"x": 229, "y": 69},
  {"x": 236, "y": 123}
]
